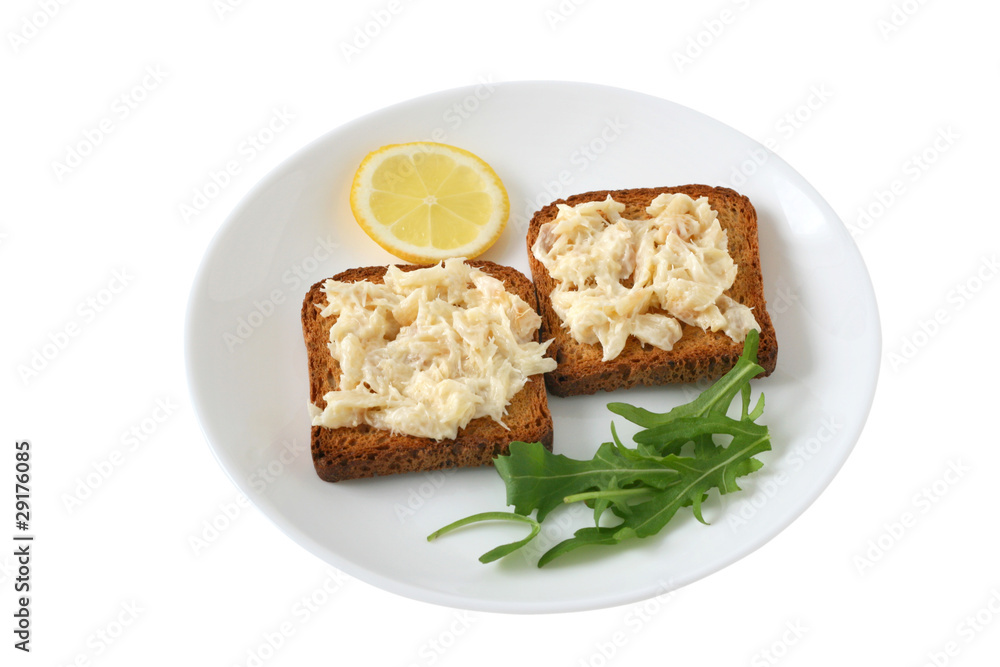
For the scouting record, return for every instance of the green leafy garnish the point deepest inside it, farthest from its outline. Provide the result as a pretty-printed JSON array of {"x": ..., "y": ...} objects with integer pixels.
[
  {"x": 677, "y": 459},
  {"x": 503, "y": 549}
]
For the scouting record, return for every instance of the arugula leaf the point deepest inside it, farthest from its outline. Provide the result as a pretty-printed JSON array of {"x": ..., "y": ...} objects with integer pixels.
[
  {"x": 503, "y": 549},
  {"x": 714, "y": 400},
  {"x": 583, "y": 537},
  {"x": 537, "y": 479},
  {"x": 642, "y": 486}
]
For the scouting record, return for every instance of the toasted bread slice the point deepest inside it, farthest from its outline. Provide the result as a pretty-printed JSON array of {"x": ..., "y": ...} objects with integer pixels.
[
  {"x": 364, "y": 451},
  {"x": 699, "y": 354}
]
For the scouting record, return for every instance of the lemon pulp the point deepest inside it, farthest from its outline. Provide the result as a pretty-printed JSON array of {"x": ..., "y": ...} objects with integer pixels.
[{"x": 426, "y": 201}]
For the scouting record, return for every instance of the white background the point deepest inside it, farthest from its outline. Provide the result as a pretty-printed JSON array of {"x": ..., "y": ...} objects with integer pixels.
[{"x": 886, "y": 107}]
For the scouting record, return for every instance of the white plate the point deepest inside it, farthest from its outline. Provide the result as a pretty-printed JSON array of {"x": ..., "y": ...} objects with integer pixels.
[{"x": 247, "y": 365}]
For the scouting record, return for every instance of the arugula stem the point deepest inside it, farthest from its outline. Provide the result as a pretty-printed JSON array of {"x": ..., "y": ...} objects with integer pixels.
[
  {"x": 606, "y": 495},
  {"x": 478, "y": 518}
]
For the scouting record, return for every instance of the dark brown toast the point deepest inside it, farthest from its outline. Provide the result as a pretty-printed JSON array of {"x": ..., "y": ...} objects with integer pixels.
[
  {"x": 698, "y": 354},
  {"x": 364, "y": 451}
]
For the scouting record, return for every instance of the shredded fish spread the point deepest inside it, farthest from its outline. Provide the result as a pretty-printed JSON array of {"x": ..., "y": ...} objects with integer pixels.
[
  {"x": 429, "y": 350},
  {"x": 676, "y": 259}
]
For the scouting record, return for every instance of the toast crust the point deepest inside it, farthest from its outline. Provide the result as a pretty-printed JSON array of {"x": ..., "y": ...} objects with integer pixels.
[
  {"x": 698, "y": 354},
  {"x": 364, "y": 451}
]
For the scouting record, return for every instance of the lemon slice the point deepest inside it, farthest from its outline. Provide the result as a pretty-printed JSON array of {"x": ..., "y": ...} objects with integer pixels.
[{"x": 425, "y": 201}]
